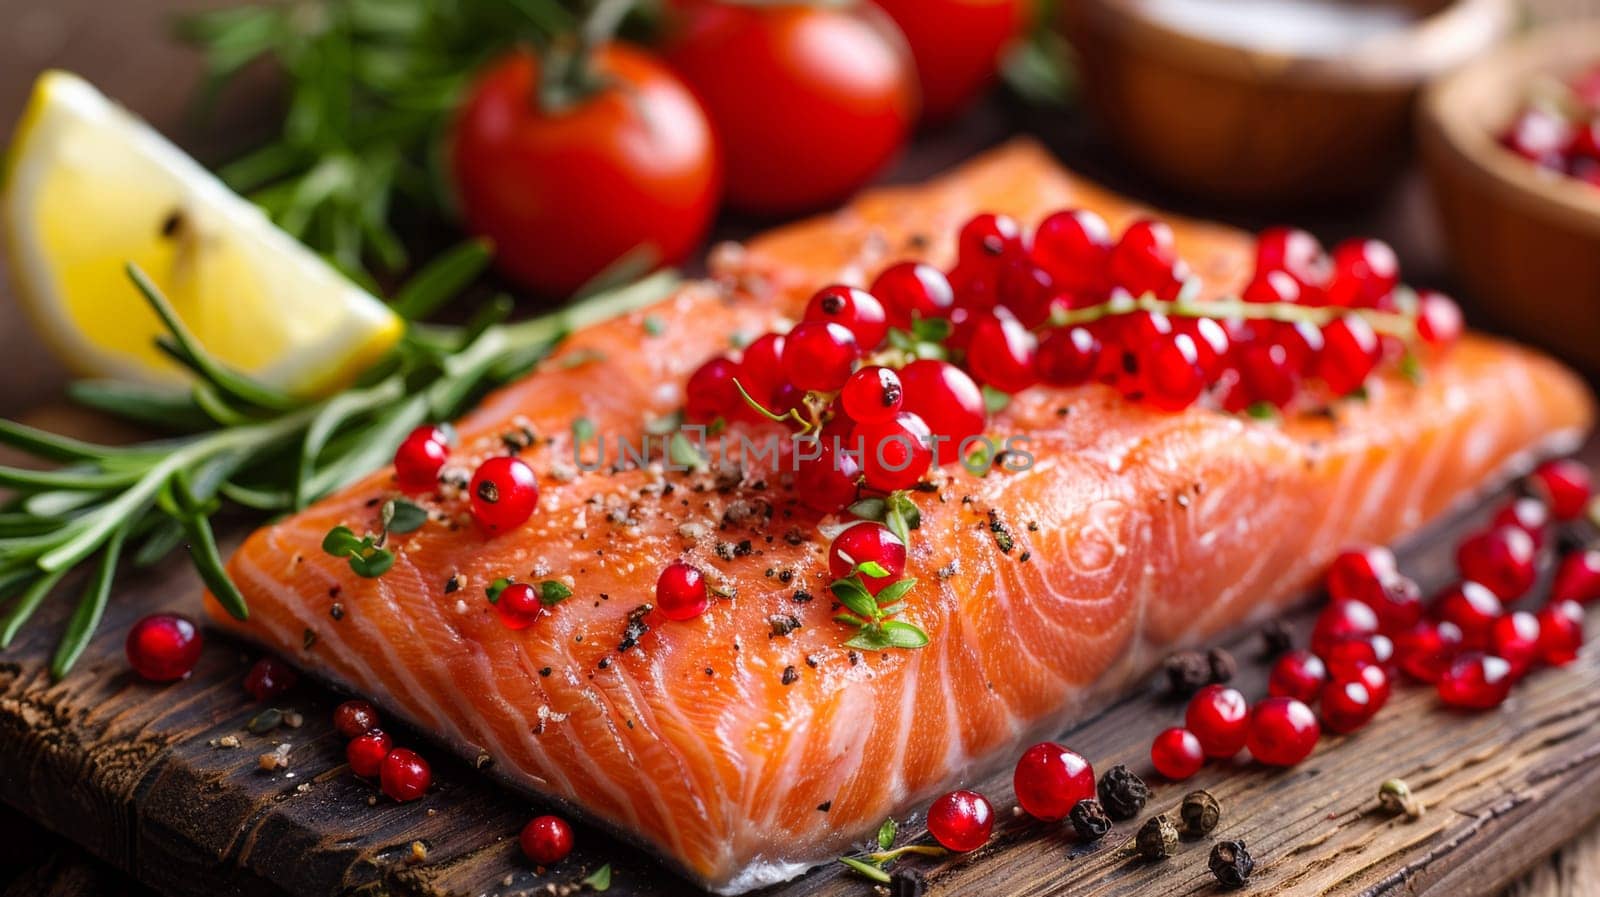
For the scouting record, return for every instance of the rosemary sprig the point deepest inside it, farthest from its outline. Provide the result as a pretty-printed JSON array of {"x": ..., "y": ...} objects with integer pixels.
[{"x": 245, "y": 444}]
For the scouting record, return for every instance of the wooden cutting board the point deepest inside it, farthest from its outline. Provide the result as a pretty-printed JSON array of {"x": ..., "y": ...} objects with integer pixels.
[{"x": 134, "y": 772}]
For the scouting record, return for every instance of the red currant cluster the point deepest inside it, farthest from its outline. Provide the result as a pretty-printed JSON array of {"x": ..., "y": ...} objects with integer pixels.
[
  {"x": 1562, "y": 136},
  {"x": 504, "y": 490},
  {"x": 401, "y": 773},
  {"x": 900, "y": 364}
]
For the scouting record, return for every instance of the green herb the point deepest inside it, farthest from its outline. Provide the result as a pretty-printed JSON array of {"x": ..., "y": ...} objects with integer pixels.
[
  {"x": 684, "y": 453},
  {"x": 599, "y": 879},
  {"x": 1411, "y": 368},
  {"x": 994, "y": 401},
  {"x": 654, "y": 326},
  {"x": 580, "y": 358},
  {"x": 401, "y": 516},
  {"x": 925, "y": 338},
  {"x": 582, "y": 430},
  {"x": 552, "y": 593},
  {"x": 871, "y": 615},
  {"x": 1261, "y": 410},
  {"x": 244, "y": 444},
  {"x": 494, "y": 589},
  {"x": 897, "y": 511},
  {"x": 886, "y": 833},
  {"x": 866, "y": 870}
]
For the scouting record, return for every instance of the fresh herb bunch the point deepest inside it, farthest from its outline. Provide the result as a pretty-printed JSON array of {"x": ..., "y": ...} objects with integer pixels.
[
  {"x": 372, "y": 84},
  {"x": 248, "y": 445}
]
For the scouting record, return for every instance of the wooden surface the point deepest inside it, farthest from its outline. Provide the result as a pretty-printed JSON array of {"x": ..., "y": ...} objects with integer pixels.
[{"x": 123, "y": 768}]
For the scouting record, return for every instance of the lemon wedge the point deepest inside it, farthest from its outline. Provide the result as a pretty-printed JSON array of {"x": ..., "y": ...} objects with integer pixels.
[{"x": 88, "y": 188}]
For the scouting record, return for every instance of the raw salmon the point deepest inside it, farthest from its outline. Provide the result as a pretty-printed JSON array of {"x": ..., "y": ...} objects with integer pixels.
[{"x": 745, "y": 751}]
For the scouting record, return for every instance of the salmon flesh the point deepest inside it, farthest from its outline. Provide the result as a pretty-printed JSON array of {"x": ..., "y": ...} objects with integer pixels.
[{"x": 744, "y": 751}]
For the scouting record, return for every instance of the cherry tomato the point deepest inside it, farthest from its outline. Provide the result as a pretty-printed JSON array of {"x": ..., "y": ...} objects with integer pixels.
[
  {"x": 957, "y": 45},
  {"x": 810, "y": 101},
  {"x": 563, "y": 193}
]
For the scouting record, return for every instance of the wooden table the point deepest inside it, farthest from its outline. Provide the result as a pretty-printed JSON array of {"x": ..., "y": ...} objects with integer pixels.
[{"x": 125, "y": 46}]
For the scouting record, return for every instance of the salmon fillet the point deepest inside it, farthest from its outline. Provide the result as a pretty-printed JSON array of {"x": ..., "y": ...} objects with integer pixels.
[{"x": 745, "y": 756}]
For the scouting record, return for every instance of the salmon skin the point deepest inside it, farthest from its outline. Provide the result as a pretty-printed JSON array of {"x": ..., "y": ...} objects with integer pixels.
[{"x": 745, "y": 752}]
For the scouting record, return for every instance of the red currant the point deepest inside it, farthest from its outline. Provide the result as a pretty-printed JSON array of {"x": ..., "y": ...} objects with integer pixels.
[
  {"x": 1565, "y": 485},
  {"x": 1027, "y": 291},
  {"x": 1560, "y": 632},
  {"x": 1473, "y": 608},
  {"x": 761, "y": 368},
  {"x": 1074, "y": 246},
  {"x": 1365, "y": 272},
  {"x": 1002, "y": 351},
  {"x": 819, "y": 355},
  {"x": 911, "y": 291},
  {"x": 711, "y": 393},
  {"x": 1170, "y": 369},
  {"x": 546, "y": 840},
  {"x": 867, "y": 542},
  {"x": 1527, "y": 514},
  {"x": 419, "y": 459},
  {"x": 1438, "y": 319},
  {"x": 1220, "y": 718},
  {"x": 269, "y": 678},
  {"x": 366, "y": 751},
  {"x": 163, "y": 647},
  {"x": 961, "y": 820},
  {"x": 1538, "y": 136},
  {"x": 1176, "y": 753},
  {"x": 1296, "y": 252},
  {"x": 1347, "y": 705},
  {"x": 1578, "y": 577},
  {"x": 1283, "y": 731},
  {"x": 1299, "y": 675},
  {"x": 1068, "y": 356},
  {"x": 405, "y": 776},
  {"x": 1049, "y": 779},
  {"x": 1515, "y": 637},
  {"x": 826, "y": 482},
  {"x": 1425, "y": 650},
  {"x": 1350, "y": 352},
  {"x": 518, "y": 606},
  {"x": 505, "y": 493},
  {"x": 873, "y": 393},
  {"x": 1145, "y": 258},
  {"x": 1368, "y": 673},
  {"x": 987, "y": 240},
  {"x": 946, "y": 399},
  {"x": 1267, "y": 373},
  {"x": 1342, "y": 621},
  {"x": 681, "y": 592},
  {"x": 1358, "y": 574},
  {"x": 1476, "y": 681},
  {"x": 1502, "y": 559},
  {"x": 352, "y": 718},
  {"x": 895, "y": 453},
  {"x": 1276, "y": 287},
  {"x": 858, "y": 311}
]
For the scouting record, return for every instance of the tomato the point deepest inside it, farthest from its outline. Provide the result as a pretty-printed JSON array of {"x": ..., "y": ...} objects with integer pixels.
[
  {"x": 810, "y": 101},
  {"x": 957, "y": 45},
  {"x": 565, "y": 193}
]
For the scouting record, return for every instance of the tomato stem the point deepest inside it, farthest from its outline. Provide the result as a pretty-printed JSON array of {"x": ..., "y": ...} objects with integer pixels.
[{"x": 571, "y": 76}]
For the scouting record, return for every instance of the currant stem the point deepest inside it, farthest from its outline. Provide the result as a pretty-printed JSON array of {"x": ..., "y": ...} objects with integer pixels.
[{"x": 1397, "y": 324}]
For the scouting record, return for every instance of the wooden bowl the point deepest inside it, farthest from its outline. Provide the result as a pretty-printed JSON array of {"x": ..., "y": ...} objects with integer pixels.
[
  {"x": 1525, "y": 241},
  {"x": 1254, "y": 126}
]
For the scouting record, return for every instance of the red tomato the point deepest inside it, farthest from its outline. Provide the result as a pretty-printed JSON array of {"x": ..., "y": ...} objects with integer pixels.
[
  {"x": 957, "y": 45},
  {"x": 810, "y": 101},
  {"x": 563, "y": 194}
]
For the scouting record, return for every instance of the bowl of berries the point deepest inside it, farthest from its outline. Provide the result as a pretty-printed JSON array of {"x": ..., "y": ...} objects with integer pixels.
[{"x": 1511, "y": 144}]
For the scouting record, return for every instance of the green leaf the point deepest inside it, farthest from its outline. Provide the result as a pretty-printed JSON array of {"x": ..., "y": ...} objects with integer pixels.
[
  {"x": 932, "y": 330},
  {"x": 442, "y": 279},
  {"x": 994, "y": 401},
  {"x": 91, "y": 608},
  {"x": 886, "y": 833},
  {"x": 341, "y": 541},
  {"x": 599, "y": 879},
  {"x": 852, "y": 594},
  {"x": 374, "y": 564},
  {"x": 654, "y": 326},
  {"x": 402, "y": 516},
  {"x": 872, "y": 569},
  {"x": 895, "y": 591},
  {"x": 208, "y": 562},
  {"x": 1262, "y": 411},
  {"x": 685, "y": 453},
  {"x": 866, "y": 870},
  {"x": 869, "y": 509},
  {"x": 552, "y": 593},
  {"x": 582, "y": 430},
  {"x": 902, "y": 516},
  {"x": 1411, "y": 368},
  {"x": 163, "y": 408},
  {"x": 25, "y": 605},
  {"x": 904, "y": 635},
  {"x": 495, "y": 588}
]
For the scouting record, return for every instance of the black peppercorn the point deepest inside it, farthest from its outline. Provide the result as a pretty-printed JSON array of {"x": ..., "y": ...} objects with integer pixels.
[
  {"x": 1188, "y": 672},
  {"x": 1222, "y": 665},
  {"x": 1089, "y": 820},
  {"x": 907, "y": 883},
  {"x": 1231, "y": 863},
  {"x": 1122, "y": 793},
  {"x": 1276, "y": 639},
  {"x": 1158, "y": 839},
  {"x": 1200, "y": 812}
]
